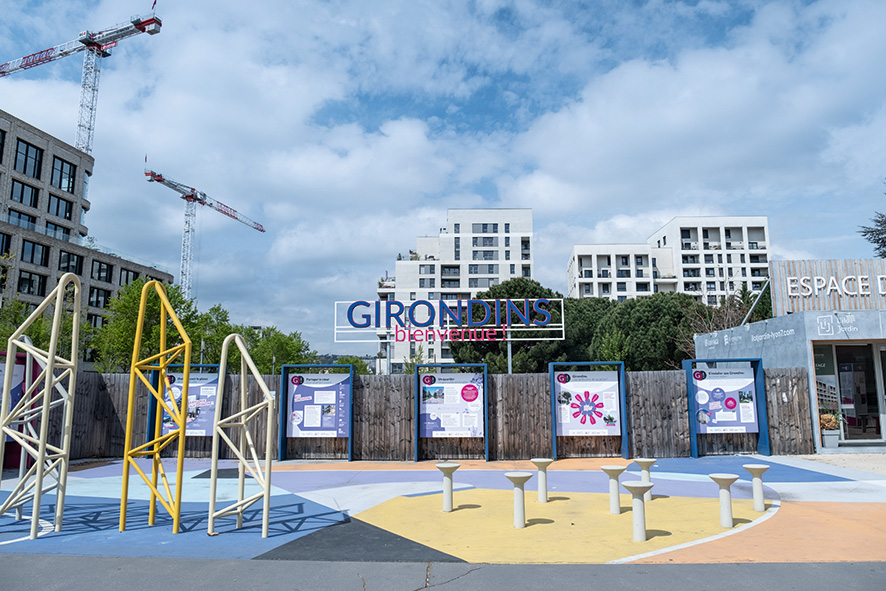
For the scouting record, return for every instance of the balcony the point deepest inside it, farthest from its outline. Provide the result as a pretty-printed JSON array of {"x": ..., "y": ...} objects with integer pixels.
[
  {"x": 690, "y": 245},
  {"x": 387, "y": 283}
]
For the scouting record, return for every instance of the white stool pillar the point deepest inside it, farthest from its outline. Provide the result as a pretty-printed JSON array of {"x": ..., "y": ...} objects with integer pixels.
[
  {"x": 519, "y": 479},
  {"x": 724, "y": 481},
  {"x": 542, "y": 465},
  {"x": 756, "y": 471},
  {"x": 447, "y": 468},
  {"x": 645, "y": 464},
  {"x": 614, "y": 502},
  {"x": 638, "y": 490}
]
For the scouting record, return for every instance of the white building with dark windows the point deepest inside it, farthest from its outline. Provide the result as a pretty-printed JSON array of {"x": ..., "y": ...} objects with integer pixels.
[
  {"x": 43, "y": 195},
  {"x": 706, "y": 257},
  {"x": 477, "y": 249}
]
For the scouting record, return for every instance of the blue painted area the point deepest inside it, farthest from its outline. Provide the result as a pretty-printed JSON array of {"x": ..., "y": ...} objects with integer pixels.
[
  {"x": 733, "y": 464},
  {"x": 91, "y": 528}
]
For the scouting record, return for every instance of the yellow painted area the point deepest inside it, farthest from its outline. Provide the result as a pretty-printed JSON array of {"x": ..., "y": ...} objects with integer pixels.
[
  {"x": 570, "y": 528},
  {"x": 800, "y": 532},
  {"x": 526, "y": 465}
]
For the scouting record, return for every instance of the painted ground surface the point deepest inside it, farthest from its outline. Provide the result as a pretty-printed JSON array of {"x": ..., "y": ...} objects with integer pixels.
[{"x": 339, "y": 511}]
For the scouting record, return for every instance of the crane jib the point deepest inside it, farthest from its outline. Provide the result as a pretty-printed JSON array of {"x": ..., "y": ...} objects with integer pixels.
[{"x": 35, "y": 59}]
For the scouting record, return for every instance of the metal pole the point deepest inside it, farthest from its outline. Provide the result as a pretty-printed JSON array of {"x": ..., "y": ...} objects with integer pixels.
[{"x": 510, "y": 364}]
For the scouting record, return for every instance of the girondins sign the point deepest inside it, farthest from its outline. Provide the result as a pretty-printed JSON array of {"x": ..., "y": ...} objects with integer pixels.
[{"x": 448, "y": 320}]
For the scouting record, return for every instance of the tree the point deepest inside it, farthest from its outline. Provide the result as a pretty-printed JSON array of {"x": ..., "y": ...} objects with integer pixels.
[
  {"x": 583, "y": 315},
  {"x": 876, "y": 234},
  {"x": 647, "y": 330},
  {"x": 527, "y": 356},
  {"x": 271, "y": 349},
  {"x": 360, "y": 367}
]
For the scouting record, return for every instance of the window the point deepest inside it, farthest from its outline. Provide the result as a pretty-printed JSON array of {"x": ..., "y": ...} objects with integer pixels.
[
  {"x": 456, "y": 228},
  {"x": 57, "y": 231},
  {"x": 412, "y": 295},
  {"x": 728, "y": 233},
  {"x": 623, "y": 273},
  {"x": 704, "y": 233},
  {"x": 728, "y": 258},
  {"x": 101, "y": 271},
  {"x": 473, "y": 269},
  {"x": 711, "y": 285},
  {"x": 653, "y": 262},
  {"x": 2, "y": 143},
  {"x": 31, "y": 283},
  {"x": 712, "y": 300},
  {"x": 684, "y": 234},
  {"x": 22, "y": 220},
  {"x": 621, "y": 286},
  {"x": 507, "y": 255},
  {"x": 95, "y": 320},
  {"x": 709, "y": 272},
  {"x": 25, "y": 194},
  {"x": 513, "y": 270},
  {"x": 60, "y": 207},
  {"x": 5, "y": 243},
  {"x": 426, "y": 269},
  {"x": 639, "y": 272},
  {"x": 484, "y": 228},
  {"x": 643, "y": 287},
  {"x": 492, "y": 269},
  {"x": 99, "y": 297},
  {"x": 639, "y": 261},
  {"x": 664, "y": 240},
  {"x": 624, "y": 261},
  {"x": 63, "y": 173},
  {"x": 28, "y": 159},
  {"x": 709, "y": 259},
  {"x": 69, "y": 262},
  {"x": 127, "y": 276},
  {"x": 604, "y": 288},
  {"x": 426, "y": 283},
  {"x": 37, "y": 254},
  {"x": 473, "y": 282},
  {"x": 507, "y": 240},
  {"x": 622, "y": 298}
]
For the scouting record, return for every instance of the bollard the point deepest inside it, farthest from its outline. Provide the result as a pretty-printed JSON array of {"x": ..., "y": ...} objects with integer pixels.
[
  {"x": 756, "y": 471},
  {"x": 542, "y": 465},
  {"x": 638, "y": 490},
  {"x": 645, "y": 464},
  {"x": 724, "y": 481},
  {"x": 614, "y": 501},
  {"x": 447, "y": 468},
  {"x": 519, "y": 479}
]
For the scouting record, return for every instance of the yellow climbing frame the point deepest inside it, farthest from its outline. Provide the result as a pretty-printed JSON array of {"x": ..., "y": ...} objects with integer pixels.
[{"x": 165, "y": 402}]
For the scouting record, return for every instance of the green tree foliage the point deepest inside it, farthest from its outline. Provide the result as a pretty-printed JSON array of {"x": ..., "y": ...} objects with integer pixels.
[
  {"x": 583, "y": 315},
  {"x": 360, "y": 367},
  {"x": 647, "y": 329},
  {"x": 526, "y": 356},
  {"x": 876, "y": 234},
  {"x": 114, "y": 341}
]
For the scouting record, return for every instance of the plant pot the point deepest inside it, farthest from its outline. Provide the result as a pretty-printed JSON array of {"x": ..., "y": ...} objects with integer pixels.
[{"x": 830, "y": 438}]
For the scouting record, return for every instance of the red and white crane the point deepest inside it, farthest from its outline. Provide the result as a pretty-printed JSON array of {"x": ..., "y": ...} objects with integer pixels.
[
  {"x": 192, "y": 197},
  {"x": 96, "y": 46}
]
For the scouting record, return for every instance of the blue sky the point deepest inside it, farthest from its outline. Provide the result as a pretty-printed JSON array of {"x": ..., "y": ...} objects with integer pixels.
[{"x": 347, "y": 128}]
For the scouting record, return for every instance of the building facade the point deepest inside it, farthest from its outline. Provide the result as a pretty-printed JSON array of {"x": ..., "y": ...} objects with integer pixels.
[
  {"x": 477, "y": 249},
  {"x": 706, "y": 257},
  {"x": 43, "y": 194}
]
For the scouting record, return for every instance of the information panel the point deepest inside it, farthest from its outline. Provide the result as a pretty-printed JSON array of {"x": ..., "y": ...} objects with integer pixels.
[
  {"x": 319, "y": 405},
  {"x": 202, "y": 392},
  {"x": 451, "y": 405},
  {"x": 725, "y": 400},
  {"x": 18, "y": 380},
  {"x": 587, "y": 403}
]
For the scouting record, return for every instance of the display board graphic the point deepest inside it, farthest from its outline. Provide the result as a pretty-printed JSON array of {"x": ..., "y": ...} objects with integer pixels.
[
  {"x": 451, "y": 405},
  {"x": 587, "y": 403},
  {"x": 202, "y": 392},
  {"x": 319, "y": 405},
  {"x": 18, "y": 380},
  {"x": 725, "y": 400}
]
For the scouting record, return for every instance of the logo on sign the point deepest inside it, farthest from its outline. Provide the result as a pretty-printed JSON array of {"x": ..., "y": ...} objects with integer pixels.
[
  {"x": 699, "y": 375},
  {"x": 297, "y": 380},
  {"x": 428, "y": 380},
  {"x": 470, "y": 393},
  {"x": 563, "y": 378}
]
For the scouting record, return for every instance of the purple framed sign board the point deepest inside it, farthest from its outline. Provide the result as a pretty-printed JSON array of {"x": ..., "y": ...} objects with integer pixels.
[
  {"x": 725, "y": 400},
  {"x": 18, "y": 381},
  {"x": 451, "y": 405},
  {"x": 319, "y": 405},
  {"x": 587, "y": 403},
  {"x": 202, "y": 392}
]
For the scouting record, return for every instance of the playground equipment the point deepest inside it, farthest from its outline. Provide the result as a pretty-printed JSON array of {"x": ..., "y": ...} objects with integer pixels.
[
  {"x": 31, "y": 413},
  {"x": 166, "y": 401},
  {"x": 238, "y": 422}
]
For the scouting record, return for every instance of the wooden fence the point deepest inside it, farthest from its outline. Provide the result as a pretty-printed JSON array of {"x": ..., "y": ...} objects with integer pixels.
[{"x": 519, "y": 420}]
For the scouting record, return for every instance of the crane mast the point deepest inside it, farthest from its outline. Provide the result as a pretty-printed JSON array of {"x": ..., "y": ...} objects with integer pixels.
[
  {"x": 96, "y": 46},
  {"x": 192, "y": 197}
]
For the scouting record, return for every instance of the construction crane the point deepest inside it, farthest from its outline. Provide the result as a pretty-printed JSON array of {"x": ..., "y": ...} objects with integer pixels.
[
  {"x": 192, "y": 197},
  {"x": 96, "y": 45}
]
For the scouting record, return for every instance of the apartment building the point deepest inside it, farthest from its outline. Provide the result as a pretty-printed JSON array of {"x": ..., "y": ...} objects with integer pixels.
[
  {"x": 43, "y": 195},
  {"x": 707, "y": 257},
  {"x": 478, "y": 248}
]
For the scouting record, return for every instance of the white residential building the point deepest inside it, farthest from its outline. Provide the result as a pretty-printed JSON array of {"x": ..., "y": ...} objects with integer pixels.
[
  {"x": 707, "y": 257},
  {"x": 477, "y": 249}
]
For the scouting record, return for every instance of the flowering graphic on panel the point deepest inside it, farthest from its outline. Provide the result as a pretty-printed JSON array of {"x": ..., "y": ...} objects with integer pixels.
[{"x": 587, "y": 408}]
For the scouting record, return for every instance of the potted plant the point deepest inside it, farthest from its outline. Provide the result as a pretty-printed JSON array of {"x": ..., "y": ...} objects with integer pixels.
[{"x": 829, "y": 423}]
